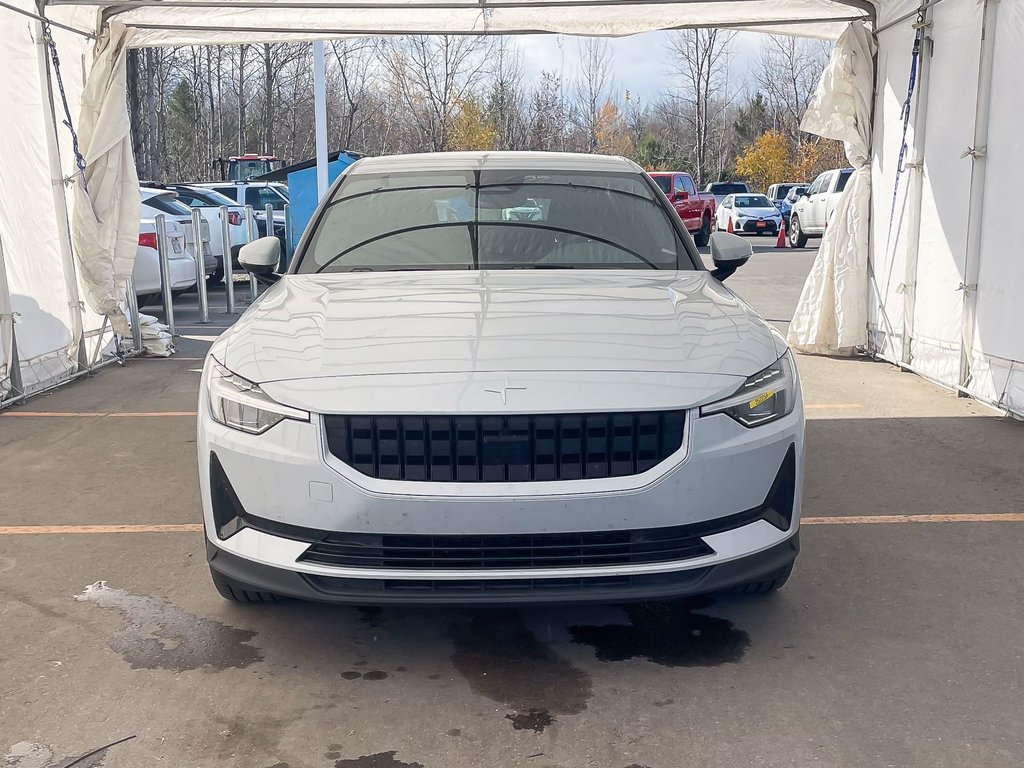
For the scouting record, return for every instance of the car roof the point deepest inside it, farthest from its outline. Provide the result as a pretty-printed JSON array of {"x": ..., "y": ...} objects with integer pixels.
[{"x": 479, "y": 161}]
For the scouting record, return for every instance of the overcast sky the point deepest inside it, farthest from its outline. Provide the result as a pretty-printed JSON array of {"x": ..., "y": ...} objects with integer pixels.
[{"x": 639, "y": 62}]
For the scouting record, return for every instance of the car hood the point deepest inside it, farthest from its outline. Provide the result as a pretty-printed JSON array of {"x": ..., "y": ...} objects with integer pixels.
[
  {"x": 764, "y": 213},
  {"x": 604, "y": 330}
]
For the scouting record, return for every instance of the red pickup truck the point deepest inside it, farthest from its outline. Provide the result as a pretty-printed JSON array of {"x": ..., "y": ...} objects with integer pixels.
[{"x": 696, "y": 209}]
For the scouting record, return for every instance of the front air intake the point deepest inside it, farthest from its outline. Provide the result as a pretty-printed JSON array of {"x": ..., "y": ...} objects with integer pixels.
[{"x": 494, "y": 449}]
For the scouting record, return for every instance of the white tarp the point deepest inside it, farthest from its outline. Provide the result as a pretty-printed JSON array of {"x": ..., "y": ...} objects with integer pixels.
[
  {"x": 106, "y": 210},
  {"x": 831, "y": 316}
]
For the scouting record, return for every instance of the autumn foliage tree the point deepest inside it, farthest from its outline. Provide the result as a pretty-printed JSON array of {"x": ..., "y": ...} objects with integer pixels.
[{"x": 766, "y": 161}]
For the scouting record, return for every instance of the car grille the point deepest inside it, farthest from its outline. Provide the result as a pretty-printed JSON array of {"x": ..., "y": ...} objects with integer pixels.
[
  {"x": 485, "y": 449},
  {"x": 540, "y": 550}
]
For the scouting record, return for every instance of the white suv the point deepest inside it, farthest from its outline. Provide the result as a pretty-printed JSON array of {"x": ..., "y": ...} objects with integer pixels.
[
  {"x": 813, "y": 210},
  {"x": 445, "y": 402}
]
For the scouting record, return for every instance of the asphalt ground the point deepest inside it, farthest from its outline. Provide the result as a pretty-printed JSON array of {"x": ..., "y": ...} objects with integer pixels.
[{"x": 897, "y": 642}]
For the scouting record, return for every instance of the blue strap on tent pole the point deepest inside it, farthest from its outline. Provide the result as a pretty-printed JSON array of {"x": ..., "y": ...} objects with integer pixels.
[
  {"x": 915, "y": 58},
  {"x": 79, "y": 159}
]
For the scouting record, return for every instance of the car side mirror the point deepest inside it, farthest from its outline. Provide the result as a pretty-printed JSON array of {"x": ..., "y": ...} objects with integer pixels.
[
  {"x": 682, "y": 195},
  {"x": 261, "y": 257},
  {"x": 729, "y": 252}
]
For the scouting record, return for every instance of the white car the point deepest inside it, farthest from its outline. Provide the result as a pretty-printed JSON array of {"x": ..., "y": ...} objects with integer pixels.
[
  {"x": 156, "y": 200},
  {"x": 146, "y": 270},
  {"x": 431, "y": 408},
  {"x": 209, "y": 202},
  {"x": 812, "y": 212},
  {"x": 749, "y": 214}
]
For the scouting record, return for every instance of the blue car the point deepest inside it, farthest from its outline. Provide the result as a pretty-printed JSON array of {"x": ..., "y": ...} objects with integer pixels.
[{"x": 785, "y": 205}]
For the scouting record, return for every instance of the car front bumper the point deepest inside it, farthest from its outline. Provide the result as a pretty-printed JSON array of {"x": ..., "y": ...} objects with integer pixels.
[{"x": 293, "y": 492}]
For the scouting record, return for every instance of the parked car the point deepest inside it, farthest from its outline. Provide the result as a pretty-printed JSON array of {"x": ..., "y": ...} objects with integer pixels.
[
  {"x": 257, "y": 194},
  {"x": 156, "y": 200},
  {"x": 749, "y": 214},
  {"x": 476, "y": 409},
  {"x": 722, "y": 189},
  {"x": 696, "y": 209},
  {"x": 786, "y": 206},
  {"x": 777, "y": 192},
  {"x": 812, "y": 211},
  {"x": 209, "y": 202},
  {"x": 146, "y": 270}
]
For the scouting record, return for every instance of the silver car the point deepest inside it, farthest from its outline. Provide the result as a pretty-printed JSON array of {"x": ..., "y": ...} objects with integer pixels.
[{"x": 443, "y": 402}]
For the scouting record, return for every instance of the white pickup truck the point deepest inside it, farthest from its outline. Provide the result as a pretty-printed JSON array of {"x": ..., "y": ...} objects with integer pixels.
[{"x": 811, "y": 213}]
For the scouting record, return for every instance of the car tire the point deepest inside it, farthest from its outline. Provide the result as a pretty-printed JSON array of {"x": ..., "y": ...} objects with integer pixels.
[
  {"x": 770, "y": 583},
  {"x": 703, "y": 235},
  {"x": 238, "y": 593},
  {"x": 797, "y": 238}
]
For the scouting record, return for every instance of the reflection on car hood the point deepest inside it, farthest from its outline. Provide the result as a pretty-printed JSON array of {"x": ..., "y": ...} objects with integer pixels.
[{"x": 315, "y": 326}]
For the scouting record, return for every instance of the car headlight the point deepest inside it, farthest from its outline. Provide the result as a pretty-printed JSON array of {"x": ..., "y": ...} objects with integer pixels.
[
  {"x": 766, "y": 396},
  {"x": 240, "y": 404}
]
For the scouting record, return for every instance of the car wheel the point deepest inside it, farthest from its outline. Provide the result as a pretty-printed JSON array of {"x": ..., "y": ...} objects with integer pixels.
[
  {"x": 770, "y": 583},
  {"x": 703, "y": 235},
  {"x": 238, "y": 593},
  {"x": 797, "y": 238}
]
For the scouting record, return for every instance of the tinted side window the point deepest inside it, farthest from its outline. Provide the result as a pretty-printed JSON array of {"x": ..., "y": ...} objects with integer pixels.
[
  {"x": 229, "y": 192},
  {"x": 685, "y": 183},
  {"x": 844, "y": 176},
  {"x": 664, "y": 182}
]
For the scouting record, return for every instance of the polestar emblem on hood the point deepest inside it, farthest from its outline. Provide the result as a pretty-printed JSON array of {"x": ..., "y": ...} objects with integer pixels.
[{"x": 504, "y": 391}]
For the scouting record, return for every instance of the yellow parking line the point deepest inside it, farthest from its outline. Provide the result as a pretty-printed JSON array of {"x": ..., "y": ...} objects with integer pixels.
[
  {"x": 28, "y": 530},
  {"x": 1007, "y": 517},
  {"x": 93, "y": 414}
]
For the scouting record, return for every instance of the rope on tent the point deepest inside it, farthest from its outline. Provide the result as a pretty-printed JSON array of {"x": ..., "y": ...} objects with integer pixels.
[{"x": 79, "y": 158}]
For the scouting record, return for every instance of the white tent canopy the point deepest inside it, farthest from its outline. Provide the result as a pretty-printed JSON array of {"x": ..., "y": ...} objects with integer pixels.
[{"x": 934, "y": 291}]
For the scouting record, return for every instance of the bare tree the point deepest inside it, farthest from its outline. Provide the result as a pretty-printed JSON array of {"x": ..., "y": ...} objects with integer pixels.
[
  {"x": 787, "y": 73},
  {"x": 594, "y": 84},
  {"x": 700, "y": 59},
  {"x": 432, "y": 74}
]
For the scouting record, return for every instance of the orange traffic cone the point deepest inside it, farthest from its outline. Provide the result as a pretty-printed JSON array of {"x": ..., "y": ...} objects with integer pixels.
[
  {"x": 780, "y": 241},
  {"x": 729, "y": 228}
]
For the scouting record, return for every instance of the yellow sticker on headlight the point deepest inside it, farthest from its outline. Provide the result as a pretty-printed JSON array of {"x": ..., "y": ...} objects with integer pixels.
[{"x": 761, "y": 398}]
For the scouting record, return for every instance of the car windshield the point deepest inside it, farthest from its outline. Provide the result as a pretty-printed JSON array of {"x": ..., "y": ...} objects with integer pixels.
[
  {"x": 753, "y": 201},
  {"x": 204, "y": 198},
  {"x": 665, "y": 182},
  {"x": 494, "y": 220},
  {"x": 167, "y": 203},
  {"x": 781, "y": 190},
  {"x": 726, "y": 189}
]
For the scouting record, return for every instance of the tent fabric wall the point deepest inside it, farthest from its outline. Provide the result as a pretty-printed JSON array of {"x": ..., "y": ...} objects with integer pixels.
[
  {"x": 44, "y": 314},
  {"x": 916, "y": 315},
  {"x": 235, "y": 21}
]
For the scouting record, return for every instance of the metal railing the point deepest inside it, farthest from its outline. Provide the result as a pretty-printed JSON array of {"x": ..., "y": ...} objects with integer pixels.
[
  {"x": 251, "y": 233},
  {"x": 164, "y": 252},
  {"x": 228, "y": 268},
  {"x": 200, "y": 254}
]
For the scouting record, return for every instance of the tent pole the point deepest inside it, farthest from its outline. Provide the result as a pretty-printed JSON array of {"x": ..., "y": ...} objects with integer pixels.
[
  {"x": 76, "y": 350},
  {"x": 977, "y": 152},
  {"x": 915, "y": 193},
  {"x": 320, "y": 115}
]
